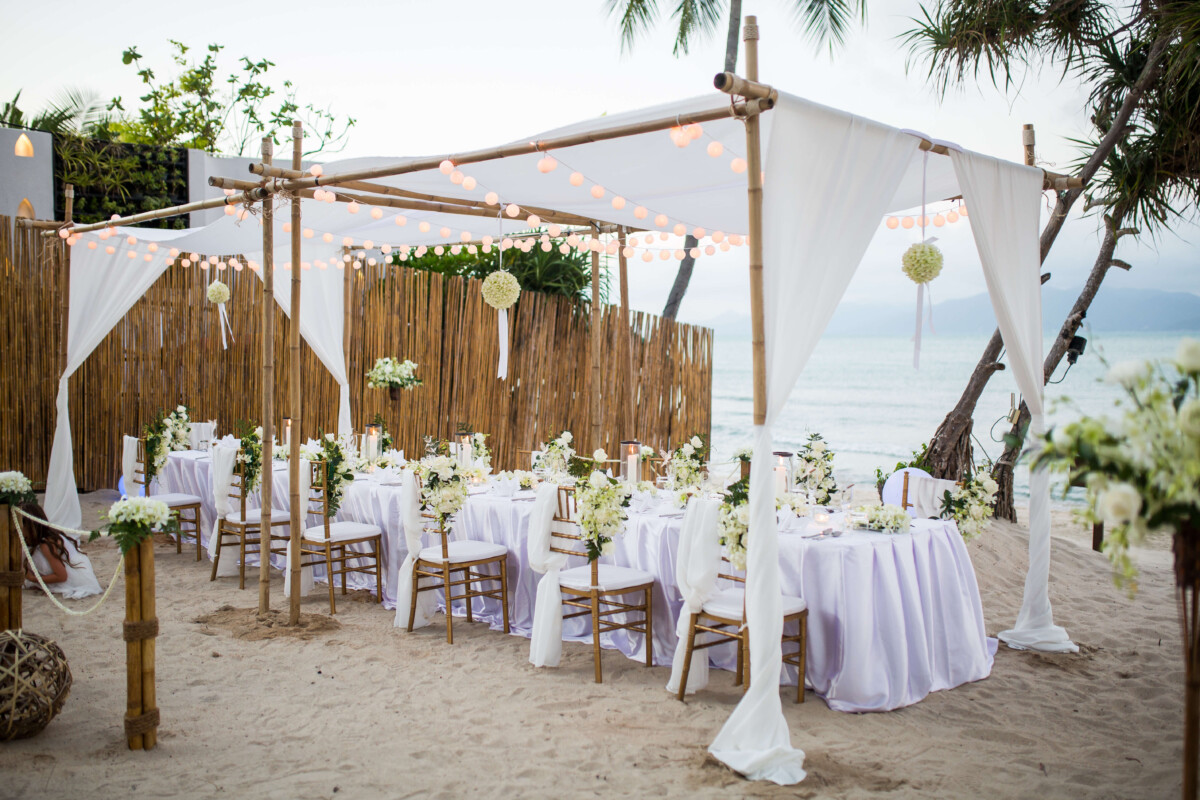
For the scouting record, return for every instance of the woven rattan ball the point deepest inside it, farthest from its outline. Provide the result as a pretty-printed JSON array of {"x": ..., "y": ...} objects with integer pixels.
[{"x": 34, "y": 683}]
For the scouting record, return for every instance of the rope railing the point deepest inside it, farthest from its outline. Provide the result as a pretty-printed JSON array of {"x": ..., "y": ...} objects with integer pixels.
[{"x": 16, "y": 515}]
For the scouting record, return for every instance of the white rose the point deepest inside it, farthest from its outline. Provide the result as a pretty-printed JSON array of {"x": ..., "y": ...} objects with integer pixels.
[
  {"x": 1127, "y": 373},
  {"x": 696, "y": 442},
  {"x": 567, "y": 436},
  {"x": 1120, "y": 503},
  {"x": 607, "y": 548},
  {"x": 600, "y": 455},
  {"x": 598, "y": 480},
  {"x": 743, "y": 515},
  {"x": 258, "y": 431},
  {"x": 818, "y": 447},
  {"x": 181, "y": 409},
  {"x": 1189, "y": 417},
  {"x": 687, "y": 449},
  {"x": 1187, "y": 356}
]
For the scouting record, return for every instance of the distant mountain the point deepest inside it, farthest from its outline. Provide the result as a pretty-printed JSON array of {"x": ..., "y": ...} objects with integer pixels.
[{"x": 1126, "y": 311}]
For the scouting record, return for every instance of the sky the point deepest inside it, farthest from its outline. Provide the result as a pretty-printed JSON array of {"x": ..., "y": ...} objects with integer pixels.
[{"x": 435, "y": 77}]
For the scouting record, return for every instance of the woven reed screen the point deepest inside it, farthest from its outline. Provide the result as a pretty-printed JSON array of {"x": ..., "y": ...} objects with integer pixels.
[{"x": 167, "y": 351}]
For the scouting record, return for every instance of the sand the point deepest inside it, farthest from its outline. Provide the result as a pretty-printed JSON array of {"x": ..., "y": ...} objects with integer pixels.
[{"x": 353, "y": 708}]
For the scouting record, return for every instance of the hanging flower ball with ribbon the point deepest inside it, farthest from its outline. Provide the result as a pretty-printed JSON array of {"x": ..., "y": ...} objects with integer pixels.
[
  {"x": 219, "y": 293},
  {"x": 500, "y": 291},
  {"x": 922, "y": 263}
]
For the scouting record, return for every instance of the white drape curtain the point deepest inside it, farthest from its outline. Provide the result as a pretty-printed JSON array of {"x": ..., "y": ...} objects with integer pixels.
[
  {"x": 414, "y": 526},
  {"x": 829, "y": 179},
  {"x": 103, "y": 288},
  {"x": 545, "y": 641},
  {"x": 696, "y": 565},
  {"x": 224, "y": 458},
  {"x": 1005, "y": 201},
  {"x": 129, "y": 465}
]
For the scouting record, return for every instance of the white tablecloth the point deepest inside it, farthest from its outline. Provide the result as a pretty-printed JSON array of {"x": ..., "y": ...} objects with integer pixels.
[{"x": 891, "y": 617}]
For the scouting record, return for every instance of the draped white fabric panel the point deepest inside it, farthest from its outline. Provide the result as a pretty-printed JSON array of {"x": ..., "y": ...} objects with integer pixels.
[
  {"x": 696, "y": 566},
  {"x": 1005, "y": 200},
  {"x": 545, "y": 641},
  {"x": 414, "y": 526},
  {"x": 830, "y": 177}
]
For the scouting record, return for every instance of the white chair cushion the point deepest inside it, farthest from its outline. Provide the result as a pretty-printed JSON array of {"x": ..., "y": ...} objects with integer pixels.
[
  {"x": 174, "y": 499},
  {"x": 254, "y": 517},
  {"x": 341, "y": 531},
  {"x": 728, "y": 603},
  {"x": 465, "y": 550},
  {"x": 612, "y": 578}
]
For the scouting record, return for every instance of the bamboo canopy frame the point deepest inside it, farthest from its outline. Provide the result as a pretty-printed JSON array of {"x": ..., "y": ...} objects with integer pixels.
[
  {"x": 295, "y": 404},
  {"x": 268, "y": 377}
]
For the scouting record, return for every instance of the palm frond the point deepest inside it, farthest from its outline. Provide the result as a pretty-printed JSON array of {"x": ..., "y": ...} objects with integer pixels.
[
  {"x": 696, "y": 18},
  {"x": 826, "y": 22},
  {"x": 635, "y": 18}
]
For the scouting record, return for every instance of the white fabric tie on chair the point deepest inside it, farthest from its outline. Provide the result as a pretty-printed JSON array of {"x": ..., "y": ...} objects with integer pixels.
[
  {"x": 129, "y": 465},
  {"x": 306, "y": 573},
  {"x": 928, "y": 495},
  {"x": 696, "y": 566},
  {"x": 414, "y": 526},
  {"x": 224, "y": 459},
  {"x": 545, "y": 641}
]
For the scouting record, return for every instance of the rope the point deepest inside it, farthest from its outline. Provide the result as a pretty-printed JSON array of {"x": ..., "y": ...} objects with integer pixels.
[
  {"x": 135, "y": 631},
  {"x": 142, "y": 723},
  {"x": 38, "y": 575}
]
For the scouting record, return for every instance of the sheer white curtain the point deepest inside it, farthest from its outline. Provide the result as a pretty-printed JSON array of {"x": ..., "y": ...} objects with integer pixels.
[
  {"x": 829, "y": 178},
  {"x": 1005, "y": 200},
  {"x": 103, "y": 288},
  {"x": 545, "y": 640},
  {"x": 696, "y": 567}
]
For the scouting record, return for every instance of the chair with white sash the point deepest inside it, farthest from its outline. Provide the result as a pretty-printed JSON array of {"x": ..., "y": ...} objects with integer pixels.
[
  {"x": 330, "y": 543},
  {"x": 243, "y": 527},
  {"x": 723, "y": 616},
  {"x": 924, "y": 495},
  {"x": 184, "y": 507},
  {"x": 595, "y": 588}
]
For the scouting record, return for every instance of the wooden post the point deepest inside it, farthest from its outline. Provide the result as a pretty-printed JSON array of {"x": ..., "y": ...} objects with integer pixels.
[
  {"x": 64, "y": 298},
  {"x": 268, "y": 389},
  {"x": 148, "y": 614},
  {"x": 627, "y": 341},
  {"x": 1028, "y": 140},
  {"x": 133, "y": 648},
  {"x": 594, "y": 382},
  {"x": 294, "y": 390},
  {"x": 11, "y": 572},
  {"x": 347, "y": 285},
  {"x": 754, "y": 192}
]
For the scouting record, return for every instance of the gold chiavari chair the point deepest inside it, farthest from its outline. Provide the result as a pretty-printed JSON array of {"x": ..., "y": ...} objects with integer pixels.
[
  {"x": 185, "y": 507},
  {"x": 724, "y": 616},
  {"x": 329, "y": 543},
  {"x": 595, "y": 587},
  {"x": 244, "y": 527},
  {"x": 449, "y": 564}
]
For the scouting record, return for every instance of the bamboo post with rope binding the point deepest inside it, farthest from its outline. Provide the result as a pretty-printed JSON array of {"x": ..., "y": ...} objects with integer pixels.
[
  {"x": 268, "y": 385},
  {"x": 630, "y": 401},
  {"x": 12, "y": 577},
  {"x": 140, "y": 631},
  {"x": 294, "y": 392},
  {"x": 594, "y": 383}
]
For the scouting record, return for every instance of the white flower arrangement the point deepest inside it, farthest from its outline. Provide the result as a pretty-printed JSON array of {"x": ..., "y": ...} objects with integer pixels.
[
  {"x": 647, "y": 487},
  {"x": 143, "y": 511},
  {"x": 970, "y": 505},
  {"x": 680, "y": 497},
  {"x": 743, "y": 454},
  {"x": 685, "y": 466},
  {"x": 601, "y": 502},
  {"x": 480, "y": 453},
  {"x": 443, "y": 487},
  {"x": 524, "y": 478},
  {"x": 922, "y": 262},
  {"x": 555, "y": 460},
  {"x": 501, "y": 289},
  {"x": 177, "y": 429},
  {"x": 250, "y": 456},
  {"x": 795, "y": 502},
  {"x": 733, "y": 522},
  {"x": 646, "y": 452},
  {"x": 218, "y": 293},
  {"x": 885, "y": 519},
  {"x": 389, "y": 373},
  {"x": 814, "y": 471},
  {"x": 15, "y": 488}
]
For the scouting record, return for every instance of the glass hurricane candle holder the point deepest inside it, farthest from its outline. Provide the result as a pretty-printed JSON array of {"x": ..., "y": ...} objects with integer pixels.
[
  {"x": 783, "y": 471},
  {"x": 631, "y": 461}
]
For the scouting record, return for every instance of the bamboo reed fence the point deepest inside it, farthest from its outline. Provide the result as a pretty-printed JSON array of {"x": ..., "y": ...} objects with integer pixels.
[{"x": 167, "y": 351}]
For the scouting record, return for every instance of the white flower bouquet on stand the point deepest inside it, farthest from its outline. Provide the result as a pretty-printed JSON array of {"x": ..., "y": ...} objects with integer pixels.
[
  {"x": 814, "y": 471},
  {"x": 601, "y": 502},
  {"x": 393, "y": 375},
  {"x": 133, "y": 519},
  {"x": 500, "y": 290},
  {"x": 177, "y": 429},
  {"x": 685, "y": 466},
  {"x": 15, "y": 489}
]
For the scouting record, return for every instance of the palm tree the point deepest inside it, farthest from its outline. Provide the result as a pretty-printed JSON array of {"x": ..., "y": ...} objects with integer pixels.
[
  {"x": 79, "y": 111},
  {"x": 826, "y": 22}
]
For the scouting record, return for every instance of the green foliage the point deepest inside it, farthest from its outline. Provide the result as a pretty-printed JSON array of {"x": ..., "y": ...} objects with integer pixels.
[
  {"x": 114, "y": 178},
  {"x": 738, "y": 492},
  {"x": 385, "y": 438},
  {"x": 919, "y": 460},
  {"x": 250, "y": 454},
  {"x": 202, "y": 109},
  {"x": 129, "y": 535},
  {"x": 337, "y": 473},
  {"x": 566, "y": 274}
]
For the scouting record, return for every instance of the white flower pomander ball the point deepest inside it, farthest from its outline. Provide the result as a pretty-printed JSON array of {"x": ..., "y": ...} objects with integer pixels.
[
  {"x": 922, "y": 263},
  {"x": 218, "y": 292},
  {"x": 501, "y": 290}
]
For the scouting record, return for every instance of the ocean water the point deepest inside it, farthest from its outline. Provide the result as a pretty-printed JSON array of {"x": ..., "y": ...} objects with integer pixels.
[{"x": 863, "y": 395}]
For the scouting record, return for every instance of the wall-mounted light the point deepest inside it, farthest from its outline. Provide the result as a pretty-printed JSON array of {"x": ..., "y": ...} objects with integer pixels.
[
  {"x": 25, "y": 210},
  {"x": 23, "y": 147}
]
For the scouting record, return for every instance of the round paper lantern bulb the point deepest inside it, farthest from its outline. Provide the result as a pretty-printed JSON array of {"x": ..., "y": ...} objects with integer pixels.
[
  {"x": 230, "y": 211},
  {"x": 455, "y": 249},
  {"x": 456, "y": 177},
  {"x": 564, "y": 248},
  {"x": 736, "y": 239},
  {"x": 611, "y": 248},
  {"x": 369, "y": 244},
  {"x": 93, "y": 245},
  {"x": 699, "y": 232},
  {"x": 444, "y": 233},
  {"x": 647, "y": 256},
  {"x": 679, "y": 138},
  {"x": 555, "y": 230},
  {"x": 907, "y": 222},
  {"x": 439, "y": 250},
  {"x": 952, "y": 217},
  {"x": 316, "y": 170},
  {"x": 512, "y": 209},
  {"x": 664, "y": 255},
  {"x": 573, "y": 240},
  {"x": 422, "y": 250},
  {"x": 385, "y": 249},
  {"x": 597, "y": 191},
  {"x": 962, "y": 211},
  {"x": 132, "y": 240},
  {"x": 465, "y": 236},
  {"x": 327, "y": 237},
  {"x": 401, "y": 220},
  {"x": 187, "y": 262},
  {"x": 131, "y": 254},
  {"x": 228, "y": 192},
  {"x": 649, "y": 238},
  {"x": 308, "y": 233},
  {"x": 715, "y": 149},
  {"x": 663, "y": 236},
  {"x": 110, "y": 249},
  {"x": 446, "y": 167},
  {"x": 472, "y": 249},
  {"x": 423, "y": 227},
  {"x": 627, "y": 251},
  {"x": 487, "y": 241},
  {"x": 724, "y": 247},
  {"x": 147, "y": 257},
  {"x": 546, "y": 164},
  {"x": 358, "y": 265},
  {"x": 376, "y": 213},
  {"x": 576, "y": 179},
  {"x": 661, "y": 220},
  {"x": 287, "y": 227},
  {"x": 680, "y": 229},
  {"x": 618, "y": 202},
  {"x": 546, "y": 246},
  {"x": 534, "y": 220},
  {"x": 506, "y": 243},
  {"x": 543, "y": 238},
  {"x": 694, "y": 252},
  {"x": 352, "y": 207},
  {"x": 893, "y": 223},
  {"x": 694, "y": 131},
  {"x": 641, "y": 212},
  {"x": 939, "y": 221},
  {"x": 709, "y": 250},
  {"x": 469, "y": 183},
  {"x": 491, "y": 198},
  {"x": 738, "y": 165},
  {"x": 679, "y": 254}
]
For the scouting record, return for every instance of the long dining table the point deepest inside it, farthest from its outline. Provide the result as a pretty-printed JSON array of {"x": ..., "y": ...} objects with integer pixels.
[{"x": 892, "y": 617}]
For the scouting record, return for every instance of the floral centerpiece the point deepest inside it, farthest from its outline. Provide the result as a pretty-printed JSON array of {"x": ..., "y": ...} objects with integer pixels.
[
  {"x": 480, "y": 453},
  {"x": 15, "y": 489},
  {"x": 178, "y": 429},
  {"x": 685, "y": 466},
  {"x": 338, "y": 455},
  {"x": 393, "y": 375},
  {"x": 524, "y": 479},
  {"x": 555, "y": 459},
  {"x": 249, "y": 453},
  {"x": 601, "y": 502},
  {"x": 733, "y": 522},
  {"x": 970, "y": 505},
  {"x": 443, "y": 487},
  {"x": 744, "y": 455},
  {"x": 922, "y": 262},
  {"x": 133, "y": 519},
  {"x": 814, "y": 471},
  {"x": 886, "y": 518}
]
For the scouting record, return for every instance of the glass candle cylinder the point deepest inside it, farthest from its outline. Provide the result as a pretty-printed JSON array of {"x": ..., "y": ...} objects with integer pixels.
[{"x": 631, "y": 461}]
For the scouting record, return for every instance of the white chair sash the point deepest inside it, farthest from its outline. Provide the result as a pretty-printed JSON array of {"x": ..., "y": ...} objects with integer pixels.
[
  {"x": 927, "y": 495},
  {"x": 306, "y": 573},
  {"x": 696, "y": 567},
  {"x": 414, "y": 526},
  {"x": 223, "y": 459},
  {"x": 545, "y": 642},
  {"x": 129, "y": 465}
]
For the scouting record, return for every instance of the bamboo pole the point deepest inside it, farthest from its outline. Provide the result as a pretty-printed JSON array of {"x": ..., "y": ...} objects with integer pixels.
[
  {"x": 754, "y": 196},
  {"x": 149, "y": 612},
  {"x": 64, "y": 299},
  {"x": 1029, "y": 142},
  {"x": 7, "y": 622},
  {"x": 594, "y": 383},
  {"x": 133, "y": 649},
  {"x": 627, "y": 342},
  {"x": 294, "y": 390},
  {"x": 268, "y": 389},
  {"x": 16, "y": 558},
  {"x": 171, "y": 211}
]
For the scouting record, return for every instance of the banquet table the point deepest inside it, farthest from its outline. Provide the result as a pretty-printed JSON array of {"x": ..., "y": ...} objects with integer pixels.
[{"x": 891, "y": 617}]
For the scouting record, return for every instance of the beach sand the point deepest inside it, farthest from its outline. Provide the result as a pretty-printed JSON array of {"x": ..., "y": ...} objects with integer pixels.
[{"x": 357, "y": 709}]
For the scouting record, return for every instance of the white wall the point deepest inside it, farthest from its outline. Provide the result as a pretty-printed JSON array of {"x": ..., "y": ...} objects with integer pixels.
[{"x": 27, "y": 178}]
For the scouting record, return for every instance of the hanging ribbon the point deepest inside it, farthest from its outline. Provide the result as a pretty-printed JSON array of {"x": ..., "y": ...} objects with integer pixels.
[
  {"x": 224, "y": 325},
  {"x": 921, "y": 286},
  {"x": 502, "y": 372}
]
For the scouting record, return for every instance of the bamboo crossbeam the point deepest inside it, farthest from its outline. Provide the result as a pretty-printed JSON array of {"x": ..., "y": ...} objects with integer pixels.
[
  {"x": 39, "y": 224},
  {"x": 294, "y": 463},
  {"x": 249, "y": 196},
  {"x": 519, "y": 149},
  {"x": 444, "y": 208}
]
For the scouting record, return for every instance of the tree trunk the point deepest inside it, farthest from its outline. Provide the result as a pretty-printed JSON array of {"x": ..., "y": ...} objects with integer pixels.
[
  {"x": 1002, "y": 471},
  {"x": 946, "y": 448}
]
